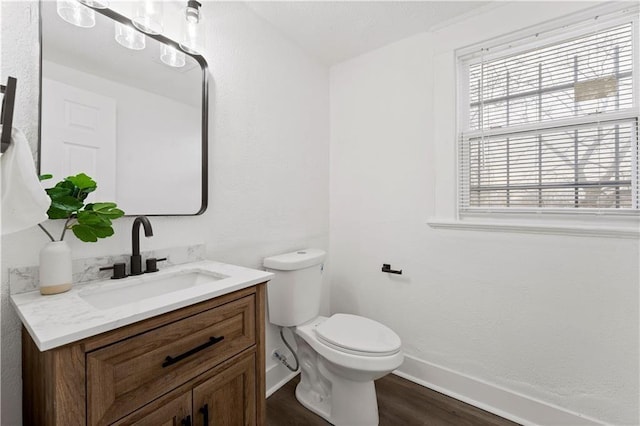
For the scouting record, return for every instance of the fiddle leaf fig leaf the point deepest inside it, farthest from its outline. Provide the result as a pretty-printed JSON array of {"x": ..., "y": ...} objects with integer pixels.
[
  {"x": 116, "y": 213},
  {"x": 44, "y": 177},
  {"x": 101, "y": 206},
  {"x": 112, "y": 213},
  {"x": 91, "y": 233},
  {"x": 83, "y": 182},
  {"x": 103, "y": 231},
  {"x": 55, "y": 213},
  {"x": 67, "y": 203},
  {"x": 90, "y": 218},
  {"x": 84, "y": 233},
  {"x": 93, "y": 222},
  {"x": 58, "y": 191},
  {"x": 66, "y": 184},
  {"x": 108, "y": 210}
]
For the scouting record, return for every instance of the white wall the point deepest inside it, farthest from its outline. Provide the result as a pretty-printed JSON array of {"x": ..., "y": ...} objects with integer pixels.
[
  {"x": 546, "y": 318},
  {"x": 269, "y": 105}
]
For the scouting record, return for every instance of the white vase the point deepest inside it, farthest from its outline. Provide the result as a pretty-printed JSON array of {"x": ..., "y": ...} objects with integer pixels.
[{"x": 55, "y": 268}]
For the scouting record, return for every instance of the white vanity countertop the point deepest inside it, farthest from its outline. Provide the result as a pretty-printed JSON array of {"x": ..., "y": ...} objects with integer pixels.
[{"x": 60, "y": 319}]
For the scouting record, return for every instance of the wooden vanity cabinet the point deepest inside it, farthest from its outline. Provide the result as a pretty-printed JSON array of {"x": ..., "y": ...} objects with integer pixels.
[{"x": 201, "y": 365}]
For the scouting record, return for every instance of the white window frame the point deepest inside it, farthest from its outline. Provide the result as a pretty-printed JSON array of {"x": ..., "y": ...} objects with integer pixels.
[{"x": 525, "y": 40}]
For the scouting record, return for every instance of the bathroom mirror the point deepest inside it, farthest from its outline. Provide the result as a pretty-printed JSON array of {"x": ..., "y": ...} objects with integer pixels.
[{"x": 122, "y": 115}]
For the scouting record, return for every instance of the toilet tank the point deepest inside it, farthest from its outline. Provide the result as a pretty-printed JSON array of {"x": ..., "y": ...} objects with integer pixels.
[{"x": 294, "y": 293}]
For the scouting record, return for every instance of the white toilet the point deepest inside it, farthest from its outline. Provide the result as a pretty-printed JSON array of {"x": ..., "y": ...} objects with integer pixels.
[{"x": 340, "y": 356}]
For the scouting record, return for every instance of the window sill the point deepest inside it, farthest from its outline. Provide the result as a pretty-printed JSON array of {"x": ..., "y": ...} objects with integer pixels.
[{"x": 629, "y": 232}]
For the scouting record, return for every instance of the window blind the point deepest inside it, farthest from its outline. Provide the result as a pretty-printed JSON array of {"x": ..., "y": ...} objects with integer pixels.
[{"x": 553, "y": 127}]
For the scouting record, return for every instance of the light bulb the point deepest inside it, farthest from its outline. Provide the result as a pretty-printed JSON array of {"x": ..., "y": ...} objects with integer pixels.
[
  {"x": 76, "y": 13},
  {"x": 192, "y": 13},
  {"x": 147, "y": 16},
  {"x": 128, "y": 37},
  {"x": 172, "y": 56},
  {"x": 193, "y": 35}
]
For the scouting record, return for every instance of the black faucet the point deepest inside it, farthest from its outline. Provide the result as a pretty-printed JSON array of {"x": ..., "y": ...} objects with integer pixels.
[{"x": 136, "y": 259}]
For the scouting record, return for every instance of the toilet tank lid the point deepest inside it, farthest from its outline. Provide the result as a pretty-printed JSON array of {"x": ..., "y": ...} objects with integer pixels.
[{"x": 295, "y": 260}]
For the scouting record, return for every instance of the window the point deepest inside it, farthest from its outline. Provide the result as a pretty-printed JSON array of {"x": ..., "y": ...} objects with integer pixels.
[{"x": 554, "y": 126}]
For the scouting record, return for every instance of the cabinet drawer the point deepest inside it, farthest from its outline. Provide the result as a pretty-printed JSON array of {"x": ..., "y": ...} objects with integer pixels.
[{"x": 135, "y": 371}]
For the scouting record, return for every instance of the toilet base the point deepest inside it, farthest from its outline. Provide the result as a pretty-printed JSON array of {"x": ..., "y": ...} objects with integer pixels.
[
  {"x": 311, "y": 402},
  {"x": 350, "y": 404},
  {"x": 340, "y": 401}
]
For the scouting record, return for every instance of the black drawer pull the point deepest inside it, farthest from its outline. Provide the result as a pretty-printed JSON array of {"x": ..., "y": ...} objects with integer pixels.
[
  {"x": 170, "y": 360},
  {"x": 205, "y": 414},
  {"x": 186, "y": 421}
]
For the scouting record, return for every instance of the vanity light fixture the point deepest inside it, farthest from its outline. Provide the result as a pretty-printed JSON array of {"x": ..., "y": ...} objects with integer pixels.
[
  {"x": 147, "y": 16},
  {"x": 193, "y": 31},
  {"x": 129, "y": 37},
  {"x": 76, "y": 13},
  {"x": 172, "y": 56}
]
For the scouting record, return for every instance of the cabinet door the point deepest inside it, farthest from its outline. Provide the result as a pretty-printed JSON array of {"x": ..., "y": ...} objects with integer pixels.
[
  {"x": 229, "y": 397},
  {"x": 173, "y": 409}
]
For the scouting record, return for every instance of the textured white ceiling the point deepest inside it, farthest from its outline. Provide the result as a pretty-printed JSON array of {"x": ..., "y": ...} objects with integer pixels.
[{"x": 334, "y": 31}]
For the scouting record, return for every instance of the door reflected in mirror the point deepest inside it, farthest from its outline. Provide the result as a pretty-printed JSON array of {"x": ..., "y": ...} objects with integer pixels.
[{"x": 122, "y": 115}]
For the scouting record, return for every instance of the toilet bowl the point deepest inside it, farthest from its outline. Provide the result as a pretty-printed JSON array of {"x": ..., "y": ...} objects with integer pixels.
[
  {"x": 340, "y": 356},
  {"x": 337, "y": 378}
]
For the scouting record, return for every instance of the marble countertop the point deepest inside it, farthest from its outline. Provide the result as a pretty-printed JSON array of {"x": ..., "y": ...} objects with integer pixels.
[{"x": 60, "y": 319}]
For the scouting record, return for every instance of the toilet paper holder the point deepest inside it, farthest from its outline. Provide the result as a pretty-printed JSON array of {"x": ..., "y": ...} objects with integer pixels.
[{"x": 386, "y": 267}]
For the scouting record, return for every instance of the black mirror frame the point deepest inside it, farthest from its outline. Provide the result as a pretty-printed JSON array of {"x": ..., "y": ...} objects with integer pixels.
[{"x": 205, "y": 101}]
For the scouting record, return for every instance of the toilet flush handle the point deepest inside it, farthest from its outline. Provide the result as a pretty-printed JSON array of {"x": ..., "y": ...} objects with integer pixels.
[{"x": 386, "y": 267}]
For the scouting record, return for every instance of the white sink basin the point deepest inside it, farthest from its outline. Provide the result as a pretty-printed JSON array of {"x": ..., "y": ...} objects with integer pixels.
[{"x": 135, "y": 289}]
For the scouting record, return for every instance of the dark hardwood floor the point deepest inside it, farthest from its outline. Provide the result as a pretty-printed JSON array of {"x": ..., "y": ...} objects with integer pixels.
[{"x": 400, "y": 403}]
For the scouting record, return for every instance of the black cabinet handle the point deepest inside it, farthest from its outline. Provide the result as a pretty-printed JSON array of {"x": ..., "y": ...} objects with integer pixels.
[
  {"x": 387, "y": 268},
  {"x": 170, "y": 360},
  {"x": 186, "y": 421},
  {"x": 205, "y": 414}
]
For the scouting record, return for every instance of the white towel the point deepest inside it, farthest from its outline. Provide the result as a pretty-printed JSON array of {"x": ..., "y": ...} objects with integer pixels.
[{"x": 24, "y": 201}]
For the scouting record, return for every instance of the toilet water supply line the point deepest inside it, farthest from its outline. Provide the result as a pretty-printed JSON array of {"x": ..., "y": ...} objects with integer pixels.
[{"x": 283, "y": 359}]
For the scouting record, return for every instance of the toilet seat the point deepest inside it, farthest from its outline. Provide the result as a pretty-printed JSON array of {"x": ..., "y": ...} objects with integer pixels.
[
  {"x": 358, "y": 335},
  {"x": 363, "y": 361}
]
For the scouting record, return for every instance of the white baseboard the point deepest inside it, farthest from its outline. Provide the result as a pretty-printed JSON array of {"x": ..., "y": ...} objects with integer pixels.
[
  {"x": 277, "y": 376},
  {"x": 489, "y": 397}
]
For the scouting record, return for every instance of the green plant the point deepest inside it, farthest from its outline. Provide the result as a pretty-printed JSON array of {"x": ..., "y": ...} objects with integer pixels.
[{"x": 88, "y": 222}]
